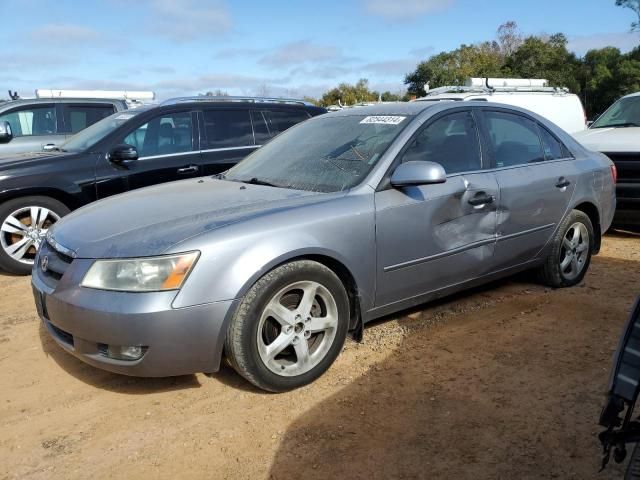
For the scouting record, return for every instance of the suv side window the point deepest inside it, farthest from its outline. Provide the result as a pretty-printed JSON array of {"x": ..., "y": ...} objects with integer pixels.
[
  {"x": 553, "y": 148},
  {"x": 280, "y": 120},
  {"x": 513, "y": 138},
  {"x": 40, "y": 120},
  {"x": 163, "y": 135},
  {"x": 227, "y": 128},
  {"x": 451, "y": 141},
  {"x": 260, "y": 129},
  {"x": 78, "y": 117}
]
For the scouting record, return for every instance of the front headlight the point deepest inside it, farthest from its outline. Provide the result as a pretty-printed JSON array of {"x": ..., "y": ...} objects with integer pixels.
[{"x": 150, "y": 274}]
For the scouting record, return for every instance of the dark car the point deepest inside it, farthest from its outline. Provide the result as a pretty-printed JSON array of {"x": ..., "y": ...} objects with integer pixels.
[
  {"x": 182, "y": 138},
  {"x": 37, "y": 122}
]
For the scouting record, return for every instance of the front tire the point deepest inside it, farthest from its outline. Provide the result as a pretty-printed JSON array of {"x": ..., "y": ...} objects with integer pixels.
[
  {"x": 571, "y": 250},
  {"x": 290, "y": 326},
  {"x": 24, "y": 223}
]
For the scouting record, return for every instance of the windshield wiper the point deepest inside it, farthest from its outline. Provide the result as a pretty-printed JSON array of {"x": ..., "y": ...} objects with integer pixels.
[
  {"x": 621, "y": 124},
  {"x": 258, "y": 181}
]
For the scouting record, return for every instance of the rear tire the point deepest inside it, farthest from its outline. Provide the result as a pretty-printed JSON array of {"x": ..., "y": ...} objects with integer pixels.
[
  {"x": 571, "y": 250},
  {"x": 290, "y": 326},
  {"x": 24, "y": 222}
]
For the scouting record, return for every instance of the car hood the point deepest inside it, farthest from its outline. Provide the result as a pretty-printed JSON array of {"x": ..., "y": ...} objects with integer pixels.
[
  {"x": 149, "y": 221},
  {"x": 8, "y": 160},
  {"x": 618, "y": 139}
]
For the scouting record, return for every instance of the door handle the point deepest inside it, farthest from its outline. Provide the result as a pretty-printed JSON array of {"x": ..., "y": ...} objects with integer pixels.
[
  {"x": 563, "y": 183},
  {"x": 481, "y": 198},
  {"x": 189, "y": 169}
]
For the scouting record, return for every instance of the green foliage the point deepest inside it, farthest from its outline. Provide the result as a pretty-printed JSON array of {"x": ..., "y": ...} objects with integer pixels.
[{"x": 350, "y": 94}]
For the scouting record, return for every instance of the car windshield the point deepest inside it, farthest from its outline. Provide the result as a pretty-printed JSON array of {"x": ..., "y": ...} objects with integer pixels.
[
  {"x": 88, "y": 137},
  {"x": 623, "y": 113},
  {"x": 324, "y": 154}
]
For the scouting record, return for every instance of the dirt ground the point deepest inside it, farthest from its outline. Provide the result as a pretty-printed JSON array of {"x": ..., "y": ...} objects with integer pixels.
[{"x": 505, "y": 381}]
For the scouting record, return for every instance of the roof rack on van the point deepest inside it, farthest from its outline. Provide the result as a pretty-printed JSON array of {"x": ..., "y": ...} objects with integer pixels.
[
  {"x": 226, "y": 98},
  {"x": 493, "y": 85}
]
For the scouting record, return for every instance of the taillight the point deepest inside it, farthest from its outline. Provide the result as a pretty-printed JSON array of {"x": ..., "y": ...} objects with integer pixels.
[{"x": 614, "y": 174}]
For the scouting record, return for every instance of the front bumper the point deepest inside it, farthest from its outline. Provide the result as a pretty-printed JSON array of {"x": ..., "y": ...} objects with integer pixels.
[{"x": 82, "y": 321}]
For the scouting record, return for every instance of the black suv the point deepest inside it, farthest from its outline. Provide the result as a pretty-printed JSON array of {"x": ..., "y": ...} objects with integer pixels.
[{"x": 181, "y": 138}]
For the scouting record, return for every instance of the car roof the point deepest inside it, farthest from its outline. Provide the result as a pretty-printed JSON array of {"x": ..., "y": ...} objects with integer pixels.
[
  {"x": 31, "y": 101},
  {"x": 392, "y": 108}
]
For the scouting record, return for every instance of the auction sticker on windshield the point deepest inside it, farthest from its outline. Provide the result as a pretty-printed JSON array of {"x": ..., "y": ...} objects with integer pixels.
[{"x": 383, "y": 119}]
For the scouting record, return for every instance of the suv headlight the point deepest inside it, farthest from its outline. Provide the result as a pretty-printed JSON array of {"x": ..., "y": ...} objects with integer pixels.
[{"x": 149, "y": 274}]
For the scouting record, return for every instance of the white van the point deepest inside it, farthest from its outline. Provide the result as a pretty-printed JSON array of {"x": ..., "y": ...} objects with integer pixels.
[{"x": 556, "y": 104}]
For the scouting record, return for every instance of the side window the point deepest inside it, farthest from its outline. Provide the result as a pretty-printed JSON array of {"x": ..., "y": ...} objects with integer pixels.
[
  {"x": 170, "y": 133},
  {"x": 79, "y": 117},
  {"x": 514, "y": 139},
  {"x": 227, "y": 128},
  {"x": 280, "y": 120},
  {"x": 451, "y": 141},
  {"x": 260, "y": 129},
  {"x": 553, "y": 148},
  {"x": 40, "y": 120}
]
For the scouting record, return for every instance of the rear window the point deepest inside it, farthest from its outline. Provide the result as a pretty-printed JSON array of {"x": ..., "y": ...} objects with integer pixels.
[
  {"x": 227, "y": 128},
  {"x": 515, "y": 139},
  {"x": 79, "y": 117},
  {"x": 280, "y": 120}
]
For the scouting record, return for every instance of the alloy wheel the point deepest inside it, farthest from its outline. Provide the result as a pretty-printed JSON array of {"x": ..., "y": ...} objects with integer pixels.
[
  {"x": 23, "y": 230},
  {"x": 575, "y": 251},
  {"x": 297, "y": 328}
]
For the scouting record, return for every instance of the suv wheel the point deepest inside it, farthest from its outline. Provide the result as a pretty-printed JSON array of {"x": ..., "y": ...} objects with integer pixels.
[
  {"x": 24, "y": 222},
  {"x": 571, "y": 250},
  {"x": 290, "y": 326}
]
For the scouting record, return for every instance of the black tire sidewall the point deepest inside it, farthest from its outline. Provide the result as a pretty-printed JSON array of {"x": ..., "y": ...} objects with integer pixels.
[
  {"x": 7, "y": 263},
  {"x": 297, "y": 271}
]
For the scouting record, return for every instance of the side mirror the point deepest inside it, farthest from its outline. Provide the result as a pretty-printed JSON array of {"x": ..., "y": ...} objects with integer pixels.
[
  {"x": 122, "y": 154},
  {"x": 418, "y": 173},
  {"x": 6, "y": 134}
]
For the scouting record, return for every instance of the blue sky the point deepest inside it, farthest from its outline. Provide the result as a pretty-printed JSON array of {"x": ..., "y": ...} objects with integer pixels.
[{"x": 278, "y": 47}]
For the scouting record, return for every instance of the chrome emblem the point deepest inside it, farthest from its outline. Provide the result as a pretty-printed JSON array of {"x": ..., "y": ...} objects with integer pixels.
[{"x": 44, "y": 263}]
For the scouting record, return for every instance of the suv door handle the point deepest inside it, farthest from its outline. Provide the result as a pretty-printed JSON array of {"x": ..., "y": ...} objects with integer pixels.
[
  {"x": 563, "y": 183},
  {"x": 189, "y": 169},
  {"x": 481, "y": 198}
]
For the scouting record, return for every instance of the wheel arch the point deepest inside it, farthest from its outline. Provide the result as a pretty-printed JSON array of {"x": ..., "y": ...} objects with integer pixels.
[
  {"x": 60, "y": 195},
  {"x": 591, "y": 210}
]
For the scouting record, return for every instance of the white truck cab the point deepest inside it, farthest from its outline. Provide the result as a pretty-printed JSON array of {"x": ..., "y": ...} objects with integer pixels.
[{"x": 556, "y": 104}]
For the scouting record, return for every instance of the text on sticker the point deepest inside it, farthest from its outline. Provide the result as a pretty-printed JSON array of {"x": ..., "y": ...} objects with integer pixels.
[{"x": 383, "y": 119}]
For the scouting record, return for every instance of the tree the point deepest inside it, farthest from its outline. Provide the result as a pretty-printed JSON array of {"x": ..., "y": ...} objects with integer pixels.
[
  {"x": 454, "y": 67},
  {"x": 349, "y": 94},
  {"x": 545, "y": 58},
  {"x": 633, "y": 5},
  {"x": 509, "y": 37}
]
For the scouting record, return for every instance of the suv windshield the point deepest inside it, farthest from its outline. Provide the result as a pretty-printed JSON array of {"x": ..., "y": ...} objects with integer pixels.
[
  {"x": 623, "y": 113},
  {"x": 324, "y": 154},
  {"x": 88, "y": 137}
]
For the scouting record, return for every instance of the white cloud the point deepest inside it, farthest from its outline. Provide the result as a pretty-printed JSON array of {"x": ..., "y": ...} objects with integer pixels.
[
  {"x": 404, "y": 9},
  {"x": 186, "y": 20},
  {"x": 64, "y": 33},
  {"x": 303, "y": 51},
  {"x": 625, "y": 41}
]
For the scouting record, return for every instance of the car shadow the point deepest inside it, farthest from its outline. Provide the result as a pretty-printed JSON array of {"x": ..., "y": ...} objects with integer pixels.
[
  {"x": 111, "y": 381},
  {"x": 512, "y": 392},
  {"x": 619, "y": 233}
]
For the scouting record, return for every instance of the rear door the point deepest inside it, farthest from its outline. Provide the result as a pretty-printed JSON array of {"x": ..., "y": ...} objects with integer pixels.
[
  {"x": 226, "y": 138},
  {"x": 78, "y": 116},
  {"x": 537, "y": 178},
  {"x": 434, "y": 236}
]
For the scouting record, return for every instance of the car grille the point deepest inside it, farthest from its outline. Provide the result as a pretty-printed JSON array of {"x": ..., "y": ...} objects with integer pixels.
[
  {"x": 628, "y": 166},
  {"x": 57, "y": 263}
]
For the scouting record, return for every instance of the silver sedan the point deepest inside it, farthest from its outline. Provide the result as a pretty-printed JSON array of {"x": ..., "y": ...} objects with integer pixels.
[{"x": 342, "y": 219}]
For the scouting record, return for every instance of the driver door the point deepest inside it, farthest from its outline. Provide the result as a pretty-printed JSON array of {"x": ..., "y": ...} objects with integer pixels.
[
  {"x": 167, "y": 151},
  {"x": 434, "y": 236}
]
